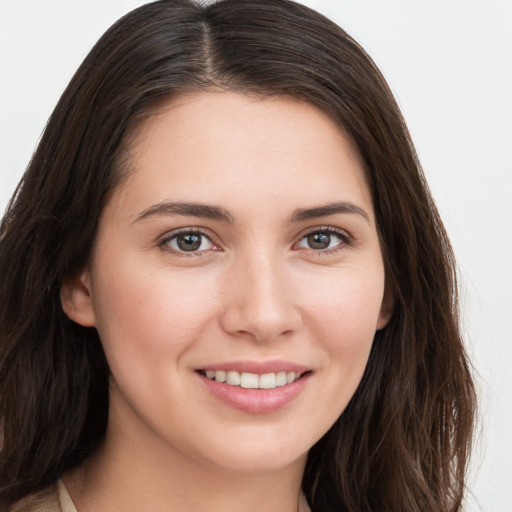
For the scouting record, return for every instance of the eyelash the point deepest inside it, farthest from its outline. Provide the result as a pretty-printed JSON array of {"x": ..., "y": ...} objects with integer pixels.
[
  {"x": 343, "y": 236},
  {"x": 164, "y": 244}
]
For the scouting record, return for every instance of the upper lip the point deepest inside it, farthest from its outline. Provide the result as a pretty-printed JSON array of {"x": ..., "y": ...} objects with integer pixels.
[{"x": 258, "y": 367}]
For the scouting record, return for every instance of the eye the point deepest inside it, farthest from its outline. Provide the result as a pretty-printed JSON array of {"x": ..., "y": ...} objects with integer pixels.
[
  {"x": 323, "y": 240},
  {"x": 188, "y": 241}
]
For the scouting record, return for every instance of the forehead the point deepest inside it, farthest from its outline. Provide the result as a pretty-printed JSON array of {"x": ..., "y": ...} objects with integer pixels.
[{"x": 211, "y": 143}]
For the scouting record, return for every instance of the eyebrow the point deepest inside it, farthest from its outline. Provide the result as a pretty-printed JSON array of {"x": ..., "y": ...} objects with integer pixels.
[
  {"x": 219, "y": 214},
  {"x": 187, "y": 210},
  {"x": 316, "y": 212}
]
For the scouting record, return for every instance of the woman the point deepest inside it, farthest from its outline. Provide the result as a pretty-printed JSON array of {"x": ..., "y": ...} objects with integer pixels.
[{"x": 226, "y": 284}]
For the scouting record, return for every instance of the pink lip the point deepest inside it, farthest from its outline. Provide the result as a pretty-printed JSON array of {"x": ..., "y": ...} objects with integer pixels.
[
  {"x": 256, "y": 401},
  {"x": 259, "y": 367}
]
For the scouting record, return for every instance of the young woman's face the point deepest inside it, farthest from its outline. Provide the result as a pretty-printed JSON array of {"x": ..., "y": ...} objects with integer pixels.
[{"x": 242, "y": 246}]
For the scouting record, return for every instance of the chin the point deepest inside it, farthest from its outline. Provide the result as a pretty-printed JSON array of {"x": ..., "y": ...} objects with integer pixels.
[
  {"x": 262, "y": 462},
  {"x": 258, "y": 453}
]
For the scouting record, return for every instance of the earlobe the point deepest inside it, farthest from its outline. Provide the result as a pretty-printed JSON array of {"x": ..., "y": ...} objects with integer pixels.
[{"x": 76, "y": 299}]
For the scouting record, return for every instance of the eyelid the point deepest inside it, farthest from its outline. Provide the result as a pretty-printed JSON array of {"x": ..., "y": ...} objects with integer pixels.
[
  {"x": 161, "y": 241},
  {"x": 164, "y": 239},
  {"x": 344, "y": 236}
]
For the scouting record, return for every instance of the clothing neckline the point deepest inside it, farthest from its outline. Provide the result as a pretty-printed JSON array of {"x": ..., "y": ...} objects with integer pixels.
[{"x": 65, "y": 502}]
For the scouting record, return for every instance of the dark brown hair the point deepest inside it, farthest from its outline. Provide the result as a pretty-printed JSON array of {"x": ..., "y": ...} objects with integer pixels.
[{"x": 403, "y": 441}]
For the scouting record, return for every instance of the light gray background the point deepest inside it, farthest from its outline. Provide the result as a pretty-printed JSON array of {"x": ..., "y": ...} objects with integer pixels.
[{"x": 449, "y": 63}]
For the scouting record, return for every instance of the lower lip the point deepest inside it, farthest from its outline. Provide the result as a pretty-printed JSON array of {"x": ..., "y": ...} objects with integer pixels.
[{"x": 256, "y": 401}]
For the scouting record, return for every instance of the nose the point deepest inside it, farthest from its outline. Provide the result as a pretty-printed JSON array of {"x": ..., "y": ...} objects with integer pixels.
[{"x": 259, "y": 299}]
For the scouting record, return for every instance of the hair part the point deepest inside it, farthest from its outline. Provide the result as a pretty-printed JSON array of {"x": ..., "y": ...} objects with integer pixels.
[{"x": 403, "y": 441}]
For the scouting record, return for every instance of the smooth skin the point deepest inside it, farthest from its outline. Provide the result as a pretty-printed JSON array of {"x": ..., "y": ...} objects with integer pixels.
[{"x": 245, "y": 231}]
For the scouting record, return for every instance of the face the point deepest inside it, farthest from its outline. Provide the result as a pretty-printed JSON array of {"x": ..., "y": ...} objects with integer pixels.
[{"x": 242, "y": 246}]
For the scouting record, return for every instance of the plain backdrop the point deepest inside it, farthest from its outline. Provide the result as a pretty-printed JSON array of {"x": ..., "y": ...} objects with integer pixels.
[{"x": 449, "y": 62}]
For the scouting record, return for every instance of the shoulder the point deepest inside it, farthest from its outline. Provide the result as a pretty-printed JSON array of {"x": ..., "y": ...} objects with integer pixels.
[
  {"x": 43, "y": 501},
  {"x": 52, "y": 499}
]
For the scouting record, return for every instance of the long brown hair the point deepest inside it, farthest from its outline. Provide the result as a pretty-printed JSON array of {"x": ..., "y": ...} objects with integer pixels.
[{"x": 402, "y": 443}]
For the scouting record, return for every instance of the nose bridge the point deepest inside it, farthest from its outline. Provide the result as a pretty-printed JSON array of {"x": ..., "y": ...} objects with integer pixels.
[{"x": 260, "y": 300}]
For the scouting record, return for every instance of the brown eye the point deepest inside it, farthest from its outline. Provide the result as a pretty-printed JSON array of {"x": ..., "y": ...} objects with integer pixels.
[
  {"x": 319, "y": 240},
  {"x": 323, "y": 240},
  {"x": 189, "y": 241}
]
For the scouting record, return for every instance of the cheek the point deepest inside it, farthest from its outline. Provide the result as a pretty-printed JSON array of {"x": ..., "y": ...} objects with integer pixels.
[
  {"x": 344, "y": 319},
  {"x": 150, "y": 311},
  {"x": 346, "y": 307}
]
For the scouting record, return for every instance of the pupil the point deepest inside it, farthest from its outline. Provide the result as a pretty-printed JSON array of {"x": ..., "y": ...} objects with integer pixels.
[
  {"x": 319, "y": 240},
  {"x": 189, "y": 242}
]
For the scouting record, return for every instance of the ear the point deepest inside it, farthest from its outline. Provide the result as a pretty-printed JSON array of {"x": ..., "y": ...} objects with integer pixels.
[
  {"x": 76, "y": 299},
  {"x": 386, "y": 309}
]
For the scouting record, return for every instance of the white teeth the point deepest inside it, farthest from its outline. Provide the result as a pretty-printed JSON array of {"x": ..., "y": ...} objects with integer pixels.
[
  {"x": 281, "y": 379},
  {"x": 253, "y": 380},
  {"x": 268, "y": 381},
  {"x": 233, "y": 378},
  {"x": 249, "y": 380}
]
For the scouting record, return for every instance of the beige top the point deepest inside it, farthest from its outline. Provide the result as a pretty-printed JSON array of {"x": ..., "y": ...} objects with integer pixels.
[{"x": 53, "y": 499}]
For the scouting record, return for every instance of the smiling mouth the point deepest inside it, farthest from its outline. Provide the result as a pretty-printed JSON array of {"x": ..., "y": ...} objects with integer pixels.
[{"x": 248, "y": 380}]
